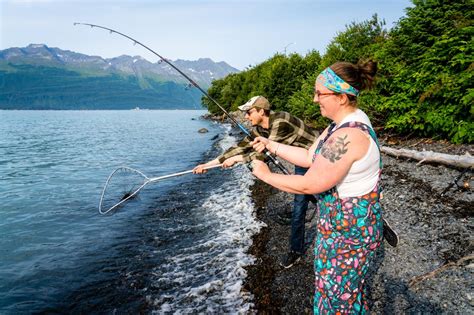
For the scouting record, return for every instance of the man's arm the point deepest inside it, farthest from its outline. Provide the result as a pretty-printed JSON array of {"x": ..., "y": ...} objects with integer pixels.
[
  {"x": 237, "y": 153},
  {"x": 200, "y": 169}
]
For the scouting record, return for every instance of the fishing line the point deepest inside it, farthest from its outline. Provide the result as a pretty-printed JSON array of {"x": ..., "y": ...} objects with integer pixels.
[{"x": 193, "y": 83}]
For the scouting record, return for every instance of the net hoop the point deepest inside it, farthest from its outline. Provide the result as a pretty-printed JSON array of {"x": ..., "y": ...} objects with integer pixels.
[
  {"x": 124, "y": 199},
  {"x": 146, "y": 181}
]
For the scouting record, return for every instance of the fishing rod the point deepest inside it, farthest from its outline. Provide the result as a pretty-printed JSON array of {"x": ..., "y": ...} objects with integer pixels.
[{"x": 193, "y": 83}]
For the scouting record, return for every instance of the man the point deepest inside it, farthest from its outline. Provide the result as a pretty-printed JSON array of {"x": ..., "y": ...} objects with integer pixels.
[{"x": 284, "y": 128}]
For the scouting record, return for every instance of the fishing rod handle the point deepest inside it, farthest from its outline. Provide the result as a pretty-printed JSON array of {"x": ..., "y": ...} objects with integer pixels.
[
  {"x": 270, "y": 156},
  {"x": 276, "y": 162}
]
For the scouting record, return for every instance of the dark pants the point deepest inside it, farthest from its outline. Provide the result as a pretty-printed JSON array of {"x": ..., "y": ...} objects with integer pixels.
[{"x": 300, "y": 205}]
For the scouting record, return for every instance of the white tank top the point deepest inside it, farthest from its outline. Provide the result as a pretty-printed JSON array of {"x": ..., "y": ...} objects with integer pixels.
[{"x": 364, "y": 173}]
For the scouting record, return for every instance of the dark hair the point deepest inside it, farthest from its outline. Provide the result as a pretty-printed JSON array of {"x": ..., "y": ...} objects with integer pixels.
[
  {"x": 360, "y": 76},
  {"x": 266, "y": 112}
]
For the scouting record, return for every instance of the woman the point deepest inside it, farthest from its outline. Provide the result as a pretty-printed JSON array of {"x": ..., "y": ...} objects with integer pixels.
[{"x": 344, "y": 171}]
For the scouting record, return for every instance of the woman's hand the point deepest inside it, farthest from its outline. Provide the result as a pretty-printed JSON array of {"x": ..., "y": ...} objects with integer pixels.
[
  {"x": 260, "y": 169},
  {"x": 260, "y": 143}
]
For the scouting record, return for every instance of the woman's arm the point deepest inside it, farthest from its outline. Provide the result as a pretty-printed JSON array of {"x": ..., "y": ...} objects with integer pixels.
[
  {"x": 330, "y": 167},
  {"x": 295, "y": 155},
  {"x": 292, "y": 154}
]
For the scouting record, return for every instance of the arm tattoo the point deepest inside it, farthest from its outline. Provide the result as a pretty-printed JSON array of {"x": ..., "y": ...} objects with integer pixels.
[{"x": 334, "y": 149}]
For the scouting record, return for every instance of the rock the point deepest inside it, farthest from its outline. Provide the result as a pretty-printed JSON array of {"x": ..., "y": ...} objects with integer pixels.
[
  {"x": 470, "y": 298},
  {"x": 203, "y": 130}
]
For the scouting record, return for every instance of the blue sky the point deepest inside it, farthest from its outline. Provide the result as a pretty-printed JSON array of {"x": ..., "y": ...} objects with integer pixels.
[{"x": 242, "y": 33}]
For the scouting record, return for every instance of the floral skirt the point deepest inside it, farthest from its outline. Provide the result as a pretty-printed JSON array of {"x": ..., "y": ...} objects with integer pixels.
[{"x": 349, "y": 232}]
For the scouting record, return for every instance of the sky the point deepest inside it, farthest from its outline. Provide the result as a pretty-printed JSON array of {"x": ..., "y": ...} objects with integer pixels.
[{"x": 242, "y": 33}]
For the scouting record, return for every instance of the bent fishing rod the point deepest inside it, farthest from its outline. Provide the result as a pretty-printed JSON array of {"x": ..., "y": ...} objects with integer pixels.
[{"x": 193, "y": 83}]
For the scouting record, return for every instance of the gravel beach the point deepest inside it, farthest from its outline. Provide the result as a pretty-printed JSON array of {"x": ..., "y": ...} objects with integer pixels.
[{"x": 430, "y": 271}]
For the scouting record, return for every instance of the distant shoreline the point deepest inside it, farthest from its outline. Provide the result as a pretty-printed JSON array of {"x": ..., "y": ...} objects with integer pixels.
[{"x": 84, "y": 110}]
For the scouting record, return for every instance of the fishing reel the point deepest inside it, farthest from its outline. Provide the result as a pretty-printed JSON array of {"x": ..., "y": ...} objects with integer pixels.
[{"x": 249, "y": 165}]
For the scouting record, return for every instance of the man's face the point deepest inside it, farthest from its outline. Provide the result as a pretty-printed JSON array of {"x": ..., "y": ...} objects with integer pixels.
[{"x": 254, "y": 115}]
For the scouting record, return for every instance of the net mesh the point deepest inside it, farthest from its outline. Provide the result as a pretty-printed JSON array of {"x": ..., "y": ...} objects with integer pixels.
[{"x": 122, "y": 185}]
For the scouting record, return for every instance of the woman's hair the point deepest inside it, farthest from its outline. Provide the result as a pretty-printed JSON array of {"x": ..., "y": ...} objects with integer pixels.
[{"x": 360, "y": 76}]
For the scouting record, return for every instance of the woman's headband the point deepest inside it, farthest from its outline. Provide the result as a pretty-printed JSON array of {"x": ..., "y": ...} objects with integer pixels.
[{"x": 332, "y": 81}]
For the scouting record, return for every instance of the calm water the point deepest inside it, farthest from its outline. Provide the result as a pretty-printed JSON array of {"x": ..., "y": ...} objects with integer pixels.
[{"x": 180, "y": 247}]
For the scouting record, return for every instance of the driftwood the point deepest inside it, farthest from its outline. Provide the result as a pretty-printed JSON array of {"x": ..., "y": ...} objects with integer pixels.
[
  {"x": 462, "y": 161},
  {"x": 431, "y": 274}
]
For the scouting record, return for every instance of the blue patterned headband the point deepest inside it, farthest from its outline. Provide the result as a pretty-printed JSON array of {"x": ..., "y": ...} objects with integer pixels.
[{"x": 332, "y": 81}]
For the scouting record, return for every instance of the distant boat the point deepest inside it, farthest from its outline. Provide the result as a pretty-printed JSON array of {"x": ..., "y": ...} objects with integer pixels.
[{"x": 136, "y": 108}]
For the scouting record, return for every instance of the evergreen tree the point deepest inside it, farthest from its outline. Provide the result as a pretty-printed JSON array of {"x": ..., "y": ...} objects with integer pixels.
[{"x": 427, "y": 71}]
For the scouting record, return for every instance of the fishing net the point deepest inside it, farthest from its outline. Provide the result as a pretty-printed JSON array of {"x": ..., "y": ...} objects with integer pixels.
[{"x": 122, "y": 185}]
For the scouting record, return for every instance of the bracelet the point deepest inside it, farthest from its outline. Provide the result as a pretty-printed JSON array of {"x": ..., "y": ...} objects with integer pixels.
[{"x": 277, "y": 148}]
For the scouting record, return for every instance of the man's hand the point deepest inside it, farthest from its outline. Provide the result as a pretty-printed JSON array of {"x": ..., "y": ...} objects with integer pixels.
[
  {"x": 260, "y": 143},
  {"x": 200, "y": 169}
]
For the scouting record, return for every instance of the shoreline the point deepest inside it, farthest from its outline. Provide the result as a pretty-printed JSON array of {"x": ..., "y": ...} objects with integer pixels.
[
  {"x": 430, "y": 271},
  {"x": 277, "y": 290}
]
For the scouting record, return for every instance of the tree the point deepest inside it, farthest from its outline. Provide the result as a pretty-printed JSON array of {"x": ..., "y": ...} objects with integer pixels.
[
  {"x": 427, "y": 71},
  {"x": 359, "y": 41}
]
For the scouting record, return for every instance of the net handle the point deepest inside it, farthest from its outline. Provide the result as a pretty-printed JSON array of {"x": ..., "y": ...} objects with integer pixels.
[{"x": 155, "y": 179}]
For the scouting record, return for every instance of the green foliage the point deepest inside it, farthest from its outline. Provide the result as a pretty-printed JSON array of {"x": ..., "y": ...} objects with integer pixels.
[
  {"x": 277, "y": 79},
  {"x": 427, "y": 71},
  {"x": 301, "y": 104},
  {"x": 425, "y": 75}
]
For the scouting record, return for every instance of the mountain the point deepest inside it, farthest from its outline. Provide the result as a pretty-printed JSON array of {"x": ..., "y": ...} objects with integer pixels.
[{"x": 42, "y": 77}]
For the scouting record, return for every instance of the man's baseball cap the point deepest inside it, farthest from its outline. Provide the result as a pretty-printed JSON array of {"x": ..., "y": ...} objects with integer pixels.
[{"x": 255, "y": 102}]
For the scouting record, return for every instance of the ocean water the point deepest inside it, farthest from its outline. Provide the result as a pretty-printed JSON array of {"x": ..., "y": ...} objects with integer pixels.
[{"x": 180, "y": 247}]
